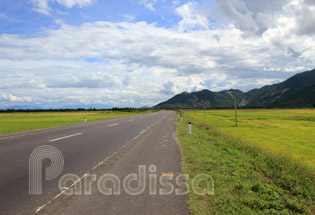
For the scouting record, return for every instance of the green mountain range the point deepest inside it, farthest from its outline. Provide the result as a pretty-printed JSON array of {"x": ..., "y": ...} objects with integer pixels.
[{"x": 297, "y": 91}]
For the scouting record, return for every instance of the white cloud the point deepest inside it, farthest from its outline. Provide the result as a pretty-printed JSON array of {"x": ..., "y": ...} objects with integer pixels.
[
  {"x": 251, "y": 16},
  {"x": 42, "y": 6},
  {"x": 239, "y": 14},
  {"x": 305, "y": 14},
  {"x": 85, "y": 81},
  {"x": 193, "y": 16},
  {"x": 148, "y": 4},
  {"x": 13, "y": 98},
  {"x": 169, "y": 88},
  {"x": 62, "y": 12},
  {"x": 176, "y": 2},
  {"x": 129, "y": 17},
  {"x": 72, "y": 3}
]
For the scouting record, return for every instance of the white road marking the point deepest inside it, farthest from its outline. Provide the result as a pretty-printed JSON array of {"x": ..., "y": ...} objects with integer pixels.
[
  {"x": 141, "y": 132},
  {"x": 131, "y": 120},
  {"x": 100, "y": 163},
  {"x": 112, "y": 125},
  {"x": 65, "y": 137}
]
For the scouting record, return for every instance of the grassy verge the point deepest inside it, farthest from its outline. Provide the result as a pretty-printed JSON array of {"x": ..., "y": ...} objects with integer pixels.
[
  {"x": 17, "y": 122},
  {"x": 247, "y": 180}
]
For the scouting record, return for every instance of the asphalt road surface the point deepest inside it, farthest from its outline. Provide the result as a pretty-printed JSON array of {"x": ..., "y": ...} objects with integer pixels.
[{"x": 140, "y": 148}]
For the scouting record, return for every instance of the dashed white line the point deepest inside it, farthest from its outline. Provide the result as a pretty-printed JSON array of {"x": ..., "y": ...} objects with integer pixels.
[
  {"x": 65, "y": 137},
  {"x": 100, "y": 163},
  {"x": 112, "y": 125},
  {"x": 141, "y": 132},
  {"x": 131, "y": 120}
]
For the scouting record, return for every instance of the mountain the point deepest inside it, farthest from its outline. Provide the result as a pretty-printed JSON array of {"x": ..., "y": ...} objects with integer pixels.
[
  {"x": 304, "y": 98},
  {"x": 274, "y": 93},
  {"x": 202, "y": 99},
  {"x": 297, "y": 91}
]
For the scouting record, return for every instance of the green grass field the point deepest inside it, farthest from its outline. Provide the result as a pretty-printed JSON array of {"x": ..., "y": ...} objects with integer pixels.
[
  {"x": 265, "y": 166},
  {"x": 17, "y": 122},
  {"x": 282, "y": 131}
]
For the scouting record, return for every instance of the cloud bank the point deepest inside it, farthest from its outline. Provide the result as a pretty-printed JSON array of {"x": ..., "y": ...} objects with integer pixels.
[{"x": 238, "y": 44}]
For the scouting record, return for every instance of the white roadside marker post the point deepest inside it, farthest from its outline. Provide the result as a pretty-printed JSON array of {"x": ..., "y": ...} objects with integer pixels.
[
  {"x": 84, "y": 119},
  {"x": 189, "y": 127}
]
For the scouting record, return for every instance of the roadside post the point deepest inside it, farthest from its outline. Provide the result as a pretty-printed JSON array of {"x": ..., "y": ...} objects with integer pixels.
[
  {"x": 235, "y": 111},
  {"x": 235, "y": 106},
  {"x": 189, "y": 127},
  {"x": 180, "y": 113},
  {"x": 84, "y": 119}
]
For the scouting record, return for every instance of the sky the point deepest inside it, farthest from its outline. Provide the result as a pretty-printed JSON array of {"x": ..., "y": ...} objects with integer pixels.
[{"x": 134, "y": 53}]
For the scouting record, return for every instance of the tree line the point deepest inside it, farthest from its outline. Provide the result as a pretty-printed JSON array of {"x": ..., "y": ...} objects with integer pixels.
[{"x": 127, "y": 109}]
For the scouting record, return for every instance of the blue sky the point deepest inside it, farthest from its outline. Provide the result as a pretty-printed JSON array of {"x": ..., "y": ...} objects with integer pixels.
[
  {"x": 26, "y": 18},
  {"x": 56, "y": 53}
]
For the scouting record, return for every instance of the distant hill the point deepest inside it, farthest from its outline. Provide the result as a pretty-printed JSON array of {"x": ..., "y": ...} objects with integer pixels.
[
  {"x": 204, "y": 98},
  {"x": 304, "y": 98},
  {"x": 297, "y": 91},
  {"x": 270, "y": 94}
]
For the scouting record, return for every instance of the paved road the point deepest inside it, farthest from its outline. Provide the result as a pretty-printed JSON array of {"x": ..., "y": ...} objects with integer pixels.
[{"x": 118, "y": 147}]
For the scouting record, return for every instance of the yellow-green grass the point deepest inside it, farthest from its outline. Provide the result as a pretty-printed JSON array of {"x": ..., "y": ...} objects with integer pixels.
[
  {"x": 17, "y": 122},
  {"x": 288, "y": 132},
  {"x": 247, "y": 178}
]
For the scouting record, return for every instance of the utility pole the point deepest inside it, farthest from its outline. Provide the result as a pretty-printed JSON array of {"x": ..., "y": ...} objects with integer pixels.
[
  {"x": 235, "y": 106},
  {"x": 235, "y": 111}
]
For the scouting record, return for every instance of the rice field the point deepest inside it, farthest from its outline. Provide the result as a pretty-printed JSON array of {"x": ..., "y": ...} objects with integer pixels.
[
  {"x": 17, "y": 122},
  {"x": 282, "y": 131}
]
